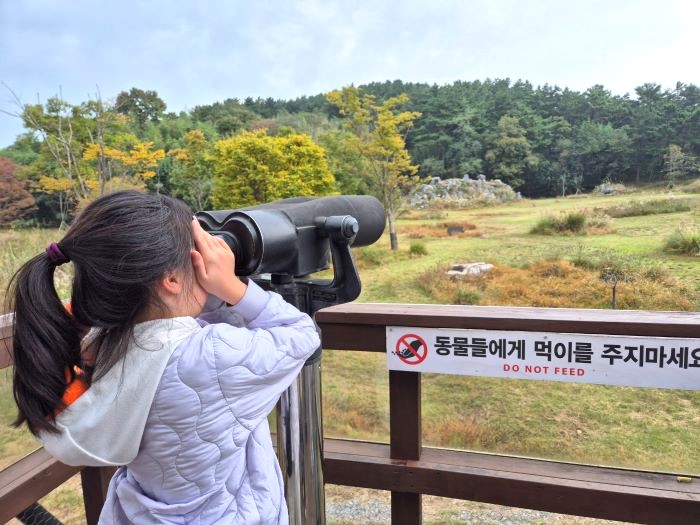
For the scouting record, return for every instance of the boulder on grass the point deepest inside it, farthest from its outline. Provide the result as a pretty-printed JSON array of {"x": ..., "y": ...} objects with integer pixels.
[{"x": 469, "y": 269}]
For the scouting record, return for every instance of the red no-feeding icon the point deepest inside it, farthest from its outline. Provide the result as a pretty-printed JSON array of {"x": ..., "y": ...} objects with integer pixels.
[{"x": 411, "y": 349}]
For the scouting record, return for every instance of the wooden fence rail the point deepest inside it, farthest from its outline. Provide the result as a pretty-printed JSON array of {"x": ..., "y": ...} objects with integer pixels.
[{"x": 409, "y": 470}]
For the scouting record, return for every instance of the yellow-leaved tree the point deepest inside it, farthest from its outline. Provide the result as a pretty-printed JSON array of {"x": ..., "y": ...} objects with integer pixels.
[
  {"x": 131, "y": 167},
  {"x": 254, "y": 167},
  {"x": 378, "y": 133},
  {"x": 86, "y": 152}
]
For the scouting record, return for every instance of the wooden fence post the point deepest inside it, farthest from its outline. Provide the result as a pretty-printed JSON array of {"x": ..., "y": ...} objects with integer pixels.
[
  {"x": 95, "y": 481},
  {"x": 405, "y": 440}
]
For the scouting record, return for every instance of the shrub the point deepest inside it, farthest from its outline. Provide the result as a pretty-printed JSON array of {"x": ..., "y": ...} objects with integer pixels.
[
  {"x": 573, "y": 222},
  {"x": 545, "y": 226},
  {"x": 24, "y": 224},
  {"x": 658, "y": 274},
  {"x": 684, "y": 241},
  {"x": 377, "y": 254},
  {"x": 466, "y": 295},
  {"x": 369, "y": 256},
  {"x": 584, "y": 259},
  {"x": 418, "y": 248}
]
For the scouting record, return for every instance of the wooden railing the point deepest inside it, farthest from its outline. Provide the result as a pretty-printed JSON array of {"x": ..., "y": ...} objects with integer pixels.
[{"x": 408, "y": 469}]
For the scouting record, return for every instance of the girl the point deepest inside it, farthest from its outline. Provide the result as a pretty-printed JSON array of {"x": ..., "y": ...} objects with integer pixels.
[{"x": 179, "y": 403}]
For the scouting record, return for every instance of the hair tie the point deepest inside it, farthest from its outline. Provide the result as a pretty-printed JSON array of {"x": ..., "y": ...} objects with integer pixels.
[{"x": 56, "y": 255}]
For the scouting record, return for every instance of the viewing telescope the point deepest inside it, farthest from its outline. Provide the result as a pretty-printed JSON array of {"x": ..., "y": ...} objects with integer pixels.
[
  {"x": 279, "y": 245},
  {"x": 292, "y": 236}
]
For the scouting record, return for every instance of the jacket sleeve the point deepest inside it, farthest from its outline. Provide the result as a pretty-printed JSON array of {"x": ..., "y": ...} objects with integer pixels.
[
  {"x": 217, "y": 311},
  {"x": 255, "y": 363}
]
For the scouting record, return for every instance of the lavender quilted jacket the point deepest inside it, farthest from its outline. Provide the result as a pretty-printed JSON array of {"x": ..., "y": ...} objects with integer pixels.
[{"x": 204, "y": 453}]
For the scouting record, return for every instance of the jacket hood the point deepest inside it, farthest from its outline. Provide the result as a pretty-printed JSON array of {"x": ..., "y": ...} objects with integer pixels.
[{"x": 104, "y": 426}]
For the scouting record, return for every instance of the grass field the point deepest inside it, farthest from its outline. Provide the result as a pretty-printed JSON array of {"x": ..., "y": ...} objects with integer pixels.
[{"x": 631, "y": 427}]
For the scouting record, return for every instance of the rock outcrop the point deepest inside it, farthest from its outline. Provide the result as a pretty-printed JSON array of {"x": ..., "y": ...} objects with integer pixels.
[{"x": 462, "y": 193}]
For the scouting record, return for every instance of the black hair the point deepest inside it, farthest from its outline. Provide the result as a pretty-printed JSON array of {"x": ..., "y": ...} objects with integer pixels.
[{"x": 120, "y": 246}]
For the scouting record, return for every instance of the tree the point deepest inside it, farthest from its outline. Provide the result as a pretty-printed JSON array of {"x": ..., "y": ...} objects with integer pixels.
[
  {"x": 652, "y": 130},
  {"x": 130, "y": 167},
  {"x": 142, "y": 106},
  {"x": 564, "y": 140},
  {"x": 193, "y": 176},
  {"x": 509, "y": 153},
  {"x": 570, "y": 168},
  {"x": 379, "y": 134},
  {"x": 677, "y": 165},
  {"x": 444, "y": 141},
  {"x": 614, "y": 273},
  {"x": 346, "y": 163},
  {"x": 228, "y": 117},
  {"x": 65, "y": 130},
  {"x": 600, "y": 151},
  {"x": 25, "y": 150},
  {"x": 253, "y": 168},
  {"x": 15, "y": 201},
  {"x": 87, "y": 150}
]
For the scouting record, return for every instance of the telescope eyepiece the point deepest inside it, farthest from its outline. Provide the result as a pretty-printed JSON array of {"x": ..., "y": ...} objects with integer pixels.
[{"x": 230, "y": 240}]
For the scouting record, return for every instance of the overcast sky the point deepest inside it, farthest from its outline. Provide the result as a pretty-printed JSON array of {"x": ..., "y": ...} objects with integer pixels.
[{"x": 199, "y": 52}]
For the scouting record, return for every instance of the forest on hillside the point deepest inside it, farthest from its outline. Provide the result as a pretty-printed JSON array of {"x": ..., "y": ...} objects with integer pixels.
[
  {"x": 531, "y": 138},
  {"x": 543, "y": 141}
]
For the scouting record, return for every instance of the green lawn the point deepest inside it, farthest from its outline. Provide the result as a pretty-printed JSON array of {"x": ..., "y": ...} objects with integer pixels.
[{"x": 506, "y": 240}]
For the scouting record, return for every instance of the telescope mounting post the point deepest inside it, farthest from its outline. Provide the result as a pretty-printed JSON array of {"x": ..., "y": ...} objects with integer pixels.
[{"x": 299, "y": 419}]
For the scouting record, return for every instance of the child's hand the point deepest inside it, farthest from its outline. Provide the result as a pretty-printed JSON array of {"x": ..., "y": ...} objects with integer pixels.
[{"x": 214, "y": 265}]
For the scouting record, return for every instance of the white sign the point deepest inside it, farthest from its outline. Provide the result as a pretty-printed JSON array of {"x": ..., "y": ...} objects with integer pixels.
[{"x": 658, "y": 362}]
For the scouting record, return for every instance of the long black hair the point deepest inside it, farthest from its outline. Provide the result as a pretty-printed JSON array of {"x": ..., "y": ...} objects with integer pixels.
[{"x": 120, "y": 246}]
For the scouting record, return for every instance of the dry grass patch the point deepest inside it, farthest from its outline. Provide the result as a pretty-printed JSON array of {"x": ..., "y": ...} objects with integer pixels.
[
  {"x": 445, "y": 229},
  {"x": 556, "y": 284},
  {"x": 472, "y": 431},
  {"x": 424, "y": 215}
]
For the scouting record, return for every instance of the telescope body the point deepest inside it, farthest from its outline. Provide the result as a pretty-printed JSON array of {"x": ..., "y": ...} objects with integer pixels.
[{"x": 288, "y": 236}]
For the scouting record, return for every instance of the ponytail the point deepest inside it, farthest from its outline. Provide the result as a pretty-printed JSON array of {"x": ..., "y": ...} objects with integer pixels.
[
  {"x": 120, "y": 245},
  {"x": 46, "y": 342}
]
